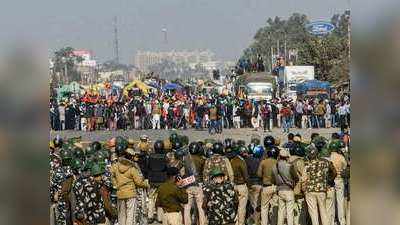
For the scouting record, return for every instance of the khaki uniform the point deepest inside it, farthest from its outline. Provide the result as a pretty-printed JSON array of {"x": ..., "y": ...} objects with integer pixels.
[
  {"x": 240, "y": 179},
  {"x": 195, "y": 192},
  {"x": 340, "y": 164},
  {"x": 300, "y": 208},
  {"x": 170, "y": 198},
  {"x": 283, "y": 178},
  {"x": 144, "y": 146},
  {"x": 330, "y": 205},
  {"x": 268, "y": 190},
  {"x": 255, "y": 199},
  {"x": 286, "y": 207}
]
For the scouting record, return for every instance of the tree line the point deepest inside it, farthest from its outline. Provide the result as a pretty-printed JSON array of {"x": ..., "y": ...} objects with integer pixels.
[{"x": 290, "y": 39}]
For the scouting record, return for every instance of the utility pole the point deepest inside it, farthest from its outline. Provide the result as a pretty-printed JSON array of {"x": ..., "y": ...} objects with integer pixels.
[
  {"x": 272, "y": 58},
  {"x": 116, "y": 48},
  {"x": 277, "y": 48},
  {"x": 285, "y": 48},
  {"x": 66, "y": 72},
  {"x": 348, "y": 32}
]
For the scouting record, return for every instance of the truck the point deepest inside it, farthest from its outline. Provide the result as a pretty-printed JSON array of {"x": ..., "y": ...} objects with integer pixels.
[
  {"x": 258, "y": 86},
  {"x": 313, "y": 89},
  {"x": 294, "y": 75}
]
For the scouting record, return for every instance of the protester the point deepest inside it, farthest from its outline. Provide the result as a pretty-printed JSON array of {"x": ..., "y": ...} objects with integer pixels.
[{"x": 188, "y": 109}]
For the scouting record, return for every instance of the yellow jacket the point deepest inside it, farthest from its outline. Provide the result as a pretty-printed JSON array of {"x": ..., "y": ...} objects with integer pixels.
[{"x": 125, "y": 177}]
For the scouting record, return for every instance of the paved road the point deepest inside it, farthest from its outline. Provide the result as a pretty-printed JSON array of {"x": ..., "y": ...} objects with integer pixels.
[{"x": 244, "y": 134}]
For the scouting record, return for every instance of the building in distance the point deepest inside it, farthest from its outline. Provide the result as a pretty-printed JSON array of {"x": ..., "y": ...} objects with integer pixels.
[{"x": 144, "y": 59}]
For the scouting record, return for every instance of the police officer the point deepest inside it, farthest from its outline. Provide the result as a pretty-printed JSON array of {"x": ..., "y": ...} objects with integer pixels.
[
  {"x": 220, "y": 200},
  {"x": 173, "y": 138},
  {"x": 141, "y": 213},
  {"x": 192, "y": 181},
  {"x": 144, "y": 144},
  {"x": 268, "y": 188},
  {"x": 290, "y": 142},
  {"x": 324, "y": 153},
  {"x": 174, "y": 158},
  {"x": 241, "y": 179},
  {"x": 157, "y": 174},
  {"x": 340, "y": 164},
  {"x": 218, "y": 160},
  {"x": 67, "y": 195},
  {"x": 269, "y": 142},
  {"x": 58, "y": 178},
  {"x": 321, "y": 144},
  {"x": 297, "y": 154},
  {"x": 171, "y": 198},
  {"x": 89, "y": 207},
  {"x": 284, "y": 181},
  {"x": 98, "y": 171},
  {"x": 317, "y": 171},
  {"x": 253, "y": 161},
  {"x": 54, "y": 164},
  {"x": 126, "y": 177}
]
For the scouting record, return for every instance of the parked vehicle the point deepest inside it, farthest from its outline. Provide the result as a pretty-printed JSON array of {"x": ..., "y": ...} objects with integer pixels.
[
  {"x": 313, "y": 88},
  {"x": 294, "y": 75},
  {"x": 258, "y": 86}
]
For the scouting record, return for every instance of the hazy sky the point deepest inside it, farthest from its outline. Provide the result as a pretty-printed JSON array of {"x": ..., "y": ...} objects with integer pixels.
[{"x": 223, "y": 26}]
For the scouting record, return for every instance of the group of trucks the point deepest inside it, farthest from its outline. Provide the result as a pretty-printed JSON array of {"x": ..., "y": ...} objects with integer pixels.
[{"x": 292, "y": 82}]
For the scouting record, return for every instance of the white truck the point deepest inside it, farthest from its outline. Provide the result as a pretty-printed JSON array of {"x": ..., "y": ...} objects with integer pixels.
[
  {"x": 294, "y": 75},
  {"x": 258, "y": 86}
]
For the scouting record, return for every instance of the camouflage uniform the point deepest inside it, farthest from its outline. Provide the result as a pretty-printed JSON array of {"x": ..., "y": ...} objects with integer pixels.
[
  {"x": 318, "y": 172},
  {"x": 58, "y": 176},
  {"x": 54, "y": 186},
  {"x": 89, "y": 205},
  {"x": 222, "y": 203},
  {"x": 217, "y": 161}
]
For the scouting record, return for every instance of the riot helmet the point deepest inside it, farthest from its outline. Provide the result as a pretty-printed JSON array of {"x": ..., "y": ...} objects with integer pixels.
[
  {"x": 218, "y": 148},
  {"x": 96, "y": 146},
  {"x": 159, "y": 146},
  {"x": 258, "y": 151}
]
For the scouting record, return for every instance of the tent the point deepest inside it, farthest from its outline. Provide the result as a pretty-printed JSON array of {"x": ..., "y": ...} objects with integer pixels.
[
  {"x": 67, "y": 89},
  {"x": 137, "y": 84},
  {"x": 75, "y": 88},
  {"x": 152, "y": 83},
  {"x": 172, "y": 86}
]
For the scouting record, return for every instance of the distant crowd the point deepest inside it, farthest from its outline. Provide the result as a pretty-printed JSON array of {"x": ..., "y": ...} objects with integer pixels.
[{"x": 205, "y": 111}]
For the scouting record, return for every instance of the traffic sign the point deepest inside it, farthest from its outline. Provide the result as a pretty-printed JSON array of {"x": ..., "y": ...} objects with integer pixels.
[{"x": 320, "y": 28}]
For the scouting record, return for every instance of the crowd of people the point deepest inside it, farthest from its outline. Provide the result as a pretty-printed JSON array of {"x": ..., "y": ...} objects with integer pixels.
[
  {"x": 182, "y": 110},
  {"x": 176, "y": 181}
]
